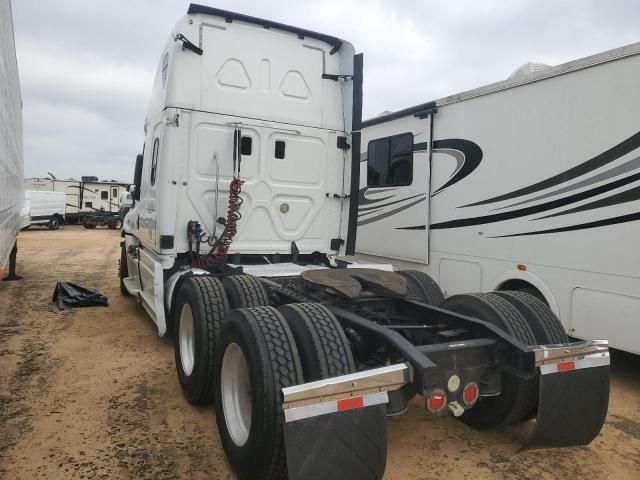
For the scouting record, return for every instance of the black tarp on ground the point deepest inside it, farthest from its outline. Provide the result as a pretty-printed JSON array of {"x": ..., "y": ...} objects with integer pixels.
[{"x": 69, "y": 295}]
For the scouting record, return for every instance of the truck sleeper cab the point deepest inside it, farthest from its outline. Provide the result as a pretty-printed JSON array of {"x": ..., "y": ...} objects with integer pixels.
[{"x": 245, "y": 201}]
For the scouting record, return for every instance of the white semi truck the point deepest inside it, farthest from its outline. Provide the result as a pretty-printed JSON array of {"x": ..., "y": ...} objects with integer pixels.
[
  {"x": 529, "y": 184},
  {"x": 11, "y": 159},
  {"x": 245, "y": 194}
]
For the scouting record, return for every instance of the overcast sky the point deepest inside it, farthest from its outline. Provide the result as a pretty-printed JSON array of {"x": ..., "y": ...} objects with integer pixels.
[{"x": 87, "y": 67}]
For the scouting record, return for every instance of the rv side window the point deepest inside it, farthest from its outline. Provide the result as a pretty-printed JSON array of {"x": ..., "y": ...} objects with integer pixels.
[
  {"x": 154, "y": 160},
  {"x": 104, "y": 195},
  {"x": 390, "y": 161}
]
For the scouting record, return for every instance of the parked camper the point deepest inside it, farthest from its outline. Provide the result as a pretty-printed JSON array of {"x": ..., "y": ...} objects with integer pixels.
[
  {"x": 245, "y": 193},
  {"x": 519, "y": 185},
  {"x": 83, "y": 197},
  {"x": 11, "y": 161},
  {"x": 46, "y": 208}
]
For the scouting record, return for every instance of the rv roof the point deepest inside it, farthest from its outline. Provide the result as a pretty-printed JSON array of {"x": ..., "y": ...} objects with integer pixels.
[
  {"x": 230, "y": 16},
  {"x": 425, "y": 108}
]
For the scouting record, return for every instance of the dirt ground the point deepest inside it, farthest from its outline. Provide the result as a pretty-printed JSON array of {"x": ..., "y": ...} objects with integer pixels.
[{"x": 92, "y": 393}]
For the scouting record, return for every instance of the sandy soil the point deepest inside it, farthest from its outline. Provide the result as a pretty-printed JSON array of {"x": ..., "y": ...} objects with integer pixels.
[{"x": 93, "y": 393}]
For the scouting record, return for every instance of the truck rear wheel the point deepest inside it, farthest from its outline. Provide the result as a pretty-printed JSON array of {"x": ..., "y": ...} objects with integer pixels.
[
  {"x": 423, "y": 287},
  {"x": 245, "y": 291},
  {"x": 518, "y": 396},
  {"x": 257, "y": 357},
  {"x": 546, "y": 326},
  {"x": 355, "y": 440},
  {"x": 123, "y": 270},
  {"x": 200, "y": 310},
  {"x": 323, "y": 346}
]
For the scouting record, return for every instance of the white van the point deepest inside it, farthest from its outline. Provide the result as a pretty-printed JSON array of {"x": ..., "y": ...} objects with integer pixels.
[{"x": 45, "y": 208}]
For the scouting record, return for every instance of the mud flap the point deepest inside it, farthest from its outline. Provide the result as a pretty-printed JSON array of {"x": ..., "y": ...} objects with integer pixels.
[
  {"x": 338, "y": 446},
  {"x": 572, "y": 404}
]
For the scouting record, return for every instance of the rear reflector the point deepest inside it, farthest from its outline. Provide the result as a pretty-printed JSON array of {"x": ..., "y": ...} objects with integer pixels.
[
  {"x": 291, "y": 414},
  {"x": 350, "y": 404},
  {"x": 566, "y": 366},
  {"x": 436, "y": 401},
  {"x": 590, "y": 361}
]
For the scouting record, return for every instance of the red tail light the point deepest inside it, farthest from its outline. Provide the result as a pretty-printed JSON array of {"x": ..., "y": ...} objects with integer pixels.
[
  {"x": 470, "y": 394},
  {"x": 436, "y": 401}
]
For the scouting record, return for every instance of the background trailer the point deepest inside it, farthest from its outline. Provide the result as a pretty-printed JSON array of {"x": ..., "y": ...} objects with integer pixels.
[
  {"x": 11, "y": 160},
  {"x": 529, "y": 184},
  {"x": 83, "y": 197}
]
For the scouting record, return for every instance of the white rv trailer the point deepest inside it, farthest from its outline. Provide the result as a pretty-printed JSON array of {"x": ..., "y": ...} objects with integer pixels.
[
  {"x": 242, "y": 201},
  {"x": 83, "y": 197},
  {"x": 532, "y": 183},
  {"x": 11, "y": 160}
]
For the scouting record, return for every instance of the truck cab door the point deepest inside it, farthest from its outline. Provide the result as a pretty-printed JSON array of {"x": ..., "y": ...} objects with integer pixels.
[
  {"x": 394, "y": 189},
  {"x": 150, "y": 177}
]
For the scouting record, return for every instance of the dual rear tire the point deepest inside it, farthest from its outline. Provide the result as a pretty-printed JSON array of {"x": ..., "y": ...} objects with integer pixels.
[
  {"x": 529, "y": 321},
  {"x": 263, "y": 350}
]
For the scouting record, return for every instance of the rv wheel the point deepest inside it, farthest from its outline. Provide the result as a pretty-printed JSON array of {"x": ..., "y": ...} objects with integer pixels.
[
  {"x": 245, "y": 291},
  {"x": 255, "y": 359},
  {"x": 518, "y": 396},
  {"x": 423, "y": 287},
  {"x": 200, "y": 309},
  {"x": 117, "y": 225}
]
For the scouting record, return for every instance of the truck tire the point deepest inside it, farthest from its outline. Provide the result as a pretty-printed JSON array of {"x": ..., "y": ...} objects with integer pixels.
[
  {"x": 546, "y": 326},
  {"x": 323, "y": 346},
  {"x": 518, "y": 396},
  {"x": 257, "y": 357},
  {"x": 357, "y": 440},
  {"x": 201, "y": 308},
  {"x": 245, "y": 291},
  {"x": 123, "y": 270},
  {"x": 423, "y": 287}
]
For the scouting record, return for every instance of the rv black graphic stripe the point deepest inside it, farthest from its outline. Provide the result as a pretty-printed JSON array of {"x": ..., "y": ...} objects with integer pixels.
[
  {"x": 622, "y": 197},
  {"x": 365, "y": 210},
  {"x": 632, "y": 217},
  {"x": 472, "y": 158},
  {"x": 389, "y": 213},
  {"x": 594, "y": 163},
  {"x": 523, "y": 212},
  {"x": 623, "y": 169}
]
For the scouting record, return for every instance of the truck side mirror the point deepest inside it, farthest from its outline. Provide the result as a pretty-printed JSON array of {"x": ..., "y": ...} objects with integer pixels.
[
  {"x": 127, "y": 200},
  {"x": 137, "y": 177}
]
